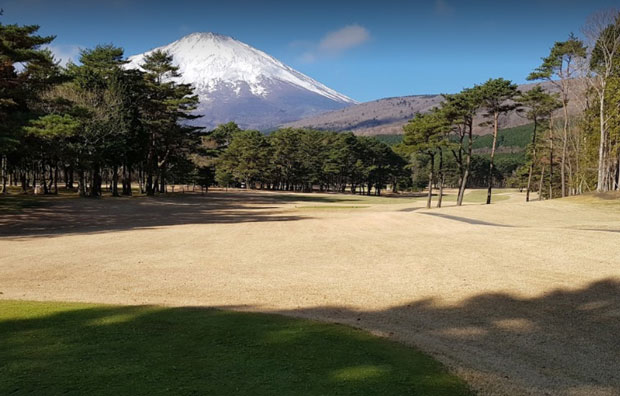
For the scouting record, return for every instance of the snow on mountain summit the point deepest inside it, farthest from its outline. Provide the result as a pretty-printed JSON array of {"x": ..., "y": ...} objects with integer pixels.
[{"x": 224, "y": 69}]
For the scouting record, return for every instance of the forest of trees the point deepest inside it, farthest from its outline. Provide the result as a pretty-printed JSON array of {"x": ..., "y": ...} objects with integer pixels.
[
  {"x": 575, "y": 144},
  {"x": 301, "y": 160},
  {"x": 97, "y": 124}
]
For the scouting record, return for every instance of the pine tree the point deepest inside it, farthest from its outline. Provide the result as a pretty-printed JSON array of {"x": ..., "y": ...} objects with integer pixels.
[
  {"x": 19, "y": 89},
  {"x": 540, "y": 106},
  {"x": 168, "y": 105},
  {"x": 497, "y": 95},
  {"x": 425, "y": 135}
]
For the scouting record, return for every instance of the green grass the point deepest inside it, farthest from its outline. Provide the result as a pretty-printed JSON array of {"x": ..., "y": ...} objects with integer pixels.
[{"x": 83, "y": 349}]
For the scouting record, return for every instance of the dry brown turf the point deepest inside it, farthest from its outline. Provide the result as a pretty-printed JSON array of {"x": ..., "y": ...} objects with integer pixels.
[{"x": 516, "y": 298}]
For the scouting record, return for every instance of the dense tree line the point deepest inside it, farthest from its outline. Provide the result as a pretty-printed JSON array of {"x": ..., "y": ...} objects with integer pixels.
[
  {"x": 79, "y": 123},
  {"x": 303, "y": 160}
]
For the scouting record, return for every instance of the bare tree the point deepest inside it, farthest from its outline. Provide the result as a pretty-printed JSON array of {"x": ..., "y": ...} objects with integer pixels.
[
  {"x": 602, "y": 32},
  {"x": 559, "y": 69}
]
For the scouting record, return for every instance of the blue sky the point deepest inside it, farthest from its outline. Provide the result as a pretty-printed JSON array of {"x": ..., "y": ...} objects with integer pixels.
[{"x": 364, "y": 49}]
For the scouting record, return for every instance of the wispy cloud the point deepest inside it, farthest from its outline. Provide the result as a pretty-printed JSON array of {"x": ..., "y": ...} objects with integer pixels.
[
  {"x": 334, "y": 42},
  {"x": 342, "y": 39},
  {"x": 442, "y": 8},
  {"x": 65, "y": 53}
]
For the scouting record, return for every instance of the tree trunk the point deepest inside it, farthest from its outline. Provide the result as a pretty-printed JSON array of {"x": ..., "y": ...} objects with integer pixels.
[
  {"x": 149, "y": 184},
  {"x": 531, "y": 170},
  {"x": 51, "y": 184},
  {"x": 127, "y": 180},
  {"x": 56, "y": 179},
  {"x": 564, "y": 147},
  {"x": 43, "y": 181},
  {"x": 95, "y": 190},
  {"x": 618, "y": 174},
  {"x": 4, "y": 167},
  {"x": 463, "y": 185},
  {"x": 441, "y": 179},
  {"x": 162, "y": 180},
  {"x": 431, "y": 176},
  {"x": 69, "y": 177},
  {"x": 540, "y": 185},
  {"x": 551, "y": 165},
  {"x": 495, "y": 128},
  {"x": 24, "y": 180},
  {"x": 115, "y": 181},
  {"x": 600, "y": 185},
  {"x": 82, "y": 182}
]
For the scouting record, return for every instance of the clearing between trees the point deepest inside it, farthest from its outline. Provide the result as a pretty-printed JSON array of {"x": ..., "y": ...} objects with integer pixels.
[{"x": 515, "y": 298}]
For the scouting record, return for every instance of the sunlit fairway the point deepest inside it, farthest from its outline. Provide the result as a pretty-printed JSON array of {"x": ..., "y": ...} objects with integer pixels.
[
  {"x": 508, "y": 297},
  {"x": 61, "y": 348}
]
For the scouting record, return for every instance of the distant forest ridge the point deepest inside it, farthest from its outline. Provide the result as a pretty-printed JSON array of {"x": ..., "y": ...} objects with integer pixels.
[
  {"x": 514, "y": 139},
  {"x": 388, "y": 115}
]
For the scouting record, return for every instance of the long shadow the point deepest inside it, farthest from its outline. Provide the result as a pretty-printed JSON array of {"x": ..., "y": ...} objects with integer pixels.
[
  {"x": 599, "y": 230},
  {"x": 565, "y": 342},
  {"x": 466, "y": 220},
  {"x": 78, "y": 216},
  {"x": 51, "y": 348}
]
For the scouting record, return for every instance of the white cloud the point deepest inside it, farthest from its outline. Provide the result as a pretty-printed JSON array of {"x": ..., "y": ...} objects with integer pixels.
[
  {"x": 342, "y": 39},
  {"x": 308, "y": 57},
  {"x": 443, "y": 8},
  {"x": 65, "y": 53},
  {"x": 333, "y": 43}
]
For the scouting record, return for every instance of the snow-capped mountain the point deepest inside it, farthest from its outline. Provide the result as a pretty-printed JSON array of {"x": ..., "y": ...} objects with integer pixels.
[{"x": 236, "y": 82}]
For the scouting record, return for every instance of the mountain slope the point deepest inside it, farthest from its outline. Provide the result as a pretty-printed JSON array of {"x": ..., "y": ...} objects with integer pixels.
[
  {"x": 236, "y": 82},
  {"x": 387, "y": 116}
]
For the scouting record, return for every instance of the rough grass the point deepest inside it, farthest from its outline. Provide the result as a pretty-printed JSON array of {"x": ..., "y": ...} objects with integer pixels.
[
  {"x": 609, "y": 199},
  {"x": 480, "y": 196},
  {"x": 68, "y": 348}
]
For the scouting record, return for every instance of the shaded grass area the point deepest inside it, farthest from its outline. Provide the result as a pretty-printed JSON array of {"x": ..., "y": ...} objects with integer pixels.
[
  {"x": 68, "y": 348},
  {"x": 18, "y": 203}
]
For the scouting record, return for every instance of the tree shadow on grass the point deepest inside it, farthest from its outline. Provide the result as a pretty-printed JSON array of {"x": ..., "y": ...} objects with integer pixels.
[
  {"x": 80, "y": 216},
  {"x": 52, "y": 348},
  {"x": 466, "y": 220},
  {"x": 565, "y": 342}
]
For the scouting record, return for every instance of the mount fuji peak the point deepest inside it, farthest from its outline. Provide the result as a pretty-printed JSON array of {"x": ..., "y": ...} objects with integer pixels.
[{"x": 236, "y": 82}]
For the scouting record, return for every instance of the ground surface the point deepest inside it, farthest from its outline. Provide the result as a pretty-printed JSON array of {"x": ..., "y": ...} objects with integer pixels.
[
  {"x": 516, "y": 298},
  {"x": 69, "y": 348}
]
